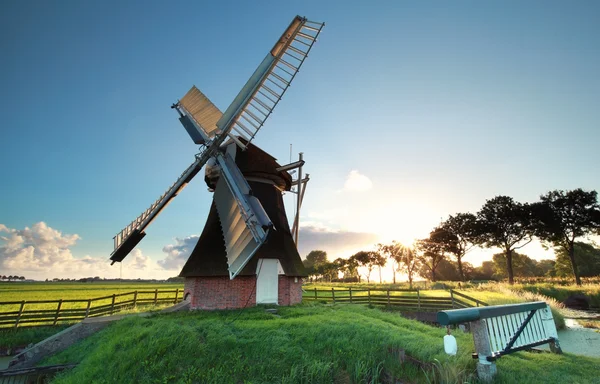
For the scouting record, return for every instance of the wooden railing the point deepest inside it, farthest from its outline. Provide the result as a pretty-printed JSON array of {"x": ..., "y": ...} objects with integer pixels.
[
  {"x": 411, "y": 299},
  {"x": 53, "y": 312}
]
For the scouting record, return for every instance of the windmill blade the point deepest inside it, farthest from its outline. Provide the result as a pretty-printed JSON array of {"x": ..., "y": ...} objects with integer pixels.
[
  {"x": 257, "y": 99},
  {"x": 131, "y": 235},
  {"x": 244, "y": 222},
  {"x": 201, "y": 116}
]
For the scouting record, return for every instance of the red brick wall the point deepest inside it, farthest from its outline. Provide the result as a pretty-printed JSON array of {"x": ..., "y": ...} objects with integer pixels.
[
  {"x": 290, "y": 290},
  {"x": 222, "y": 293}
]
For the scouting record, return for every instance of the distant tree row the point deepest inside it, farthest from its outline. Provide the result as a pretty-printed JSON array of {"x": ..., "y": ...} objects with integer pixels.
[
  {"x": 12, "y": 278},
  {"x": 557, "y": 220}
]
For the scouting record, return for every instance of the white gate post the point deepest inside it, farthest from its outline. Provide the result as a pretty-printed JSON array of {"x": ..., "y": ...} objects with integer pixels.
[
  {"x": 550, "y": 328},
  {"x": 486, "y": 370}
]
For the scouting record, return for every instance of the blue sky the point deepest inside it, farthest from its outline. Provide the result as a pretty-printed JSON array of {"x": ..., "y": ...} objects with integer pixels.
[{"x": 436, "y": 106}]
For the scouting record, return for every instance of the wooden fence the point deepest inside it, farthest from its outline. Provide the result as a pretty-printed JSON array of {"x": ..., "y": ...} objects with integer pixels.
[
  {"x": 53, "y": 312},
  {"x": 410, "y": 299}
]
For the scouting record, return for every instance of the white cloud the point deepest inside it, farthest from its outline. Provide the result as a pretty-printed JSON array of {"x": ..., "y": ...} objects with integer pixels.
[
  {"x": 178, "y": 253},
  {"x": 42, "y": 252},
  {"x": 356, "y": 181}
]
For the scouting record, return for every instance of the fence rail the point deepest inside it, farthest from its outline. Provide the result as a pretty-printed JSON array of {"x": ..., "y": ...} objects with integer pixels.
[
  {"x": 53, "y": 312},
  {"x": 412, "y": 299}
]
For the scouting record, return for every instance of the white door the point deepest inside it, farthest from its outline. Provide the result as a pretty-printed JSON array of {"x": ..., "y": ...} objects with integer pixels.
[{"x": 267, "y": 281}]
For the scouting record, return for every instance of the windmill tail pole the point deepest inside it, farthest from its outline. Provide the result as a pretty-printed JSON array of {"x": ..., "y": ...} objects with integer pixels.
[{"x": 298, "y": 199}]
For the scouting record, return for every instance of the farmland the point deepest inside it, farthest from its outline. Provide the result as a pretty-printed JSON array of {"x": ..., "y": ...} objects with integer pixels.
[
  {"x": 59, "y": 290},
  {"x": 37, "y": 304}
]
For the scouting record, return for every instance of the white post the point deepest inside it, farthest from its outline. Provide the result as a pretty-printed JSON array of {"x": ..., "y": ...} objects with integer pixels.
[
  {"x": 550, "y": 328},
  {"x": 486, "y": 370}
]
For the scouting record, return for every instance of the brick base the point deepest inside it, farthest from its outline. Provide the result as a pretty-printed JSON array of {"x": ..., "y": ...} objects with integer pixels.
[{"x": 223, "y": 293}]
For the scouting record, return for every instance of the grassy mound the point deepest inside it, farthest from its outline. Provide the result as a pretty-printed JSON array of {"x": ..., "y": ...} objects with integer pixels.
[{"x": 303, "y": 344}]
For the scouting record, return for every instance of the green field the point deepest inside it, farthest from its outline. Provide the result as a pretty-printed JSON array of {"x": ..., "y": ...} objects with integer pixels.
[
  {"x": 14, "y": 292},
  {"x": 53, "y": 303},
  {"x": 55, "y": 291}
]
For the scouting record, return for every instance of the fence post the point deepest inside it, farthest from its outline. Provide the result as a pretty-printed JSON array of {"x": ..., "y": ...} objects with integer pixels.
[
  {"x": 315, "y": 293},
  {"x": 134, "y": 298},
  {"x": 155, "y": 296},
  {"x": 20, "y": 314},
  {"x": 176, "y": 295},
  {"x": 87, "y": 310},
  {"x": 388, "y": 295},
  {"x": 57, "y": 312},
  {"x": 418, "y": 298},
  {"x": 112, "y": 305},
  {"x": 485, "y": 369},
  {"x": 350, "y": 292},
  {"x": 333, "y": 295},
  {"x": 452, "y": 298},
  {"x": 369, "y": 294}
]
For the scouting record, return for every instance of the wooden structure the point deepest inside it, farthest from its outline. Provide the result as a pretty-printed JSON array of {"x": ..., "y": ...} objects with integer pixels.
[{"x": 409, "y": 299}]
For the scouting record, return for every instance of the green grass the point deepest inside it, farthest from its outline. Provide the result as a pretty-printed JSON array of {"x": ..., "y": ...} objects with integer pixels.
[
  {"x": 310, "y": 343},
  {"x": 561, "y": 293},
  {"x": 21, "y": 337},
  {"x": 303, "y": 344}
]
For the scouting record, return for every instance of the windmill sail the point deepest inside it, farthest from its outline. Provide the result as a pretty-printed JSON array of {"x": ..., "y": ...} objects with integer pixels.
[
  {"x": 256, "y": 101},
  {"x": 131, "y": 235},
  {"x": 244, "y": 222},
  {"x": 202, "y": 112}
]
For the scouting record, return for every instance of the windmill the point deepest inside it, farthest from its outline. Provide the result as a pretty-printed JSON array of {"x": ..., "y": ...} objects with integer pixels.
[{"x": 247, "y": 217}]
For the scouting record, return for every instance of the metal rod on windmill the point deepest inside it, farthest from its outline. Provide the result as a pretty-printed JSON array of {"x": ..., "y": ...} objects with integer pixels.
[
  {"x": 298, "y": 199},
  {"x": 295, "y": 227},
  {"x": 245, "y": 224}
]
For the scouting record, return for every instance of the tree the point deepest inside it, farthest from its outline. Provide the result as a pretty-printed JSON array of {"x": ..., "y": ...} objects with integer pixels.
[
  {"x": 446, "y": 271},
  {"x": 506, "y": 224},
  {"x": 523, "y": 266},
  {"x": 369, "y": 260},
  {"x": 484, "y": 272},
  {"x": 587, "y": 257},
  {"x": 341, "y": 265},
  {"x": 378, "y": 260},
  {"x": 394, "y": 253},
  {"x": 315, "y": 258},
  {"x": 432, "y": 251},
  {"x": 562, "y": 217},
  {"x": 410, "y": 264},
  {"x": 328, "y": 270},
  {"x": 463, "y": 230},
  {"x": 314, "y": 261},
  {"x": 352, "y": 267}
]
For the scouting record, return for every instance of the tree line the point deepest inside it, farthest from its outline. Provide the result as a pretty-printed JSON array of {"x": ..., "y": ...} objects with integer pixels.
[
  {"x": 12, "y": 278},
  {"x": 558, "y": 220}
]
